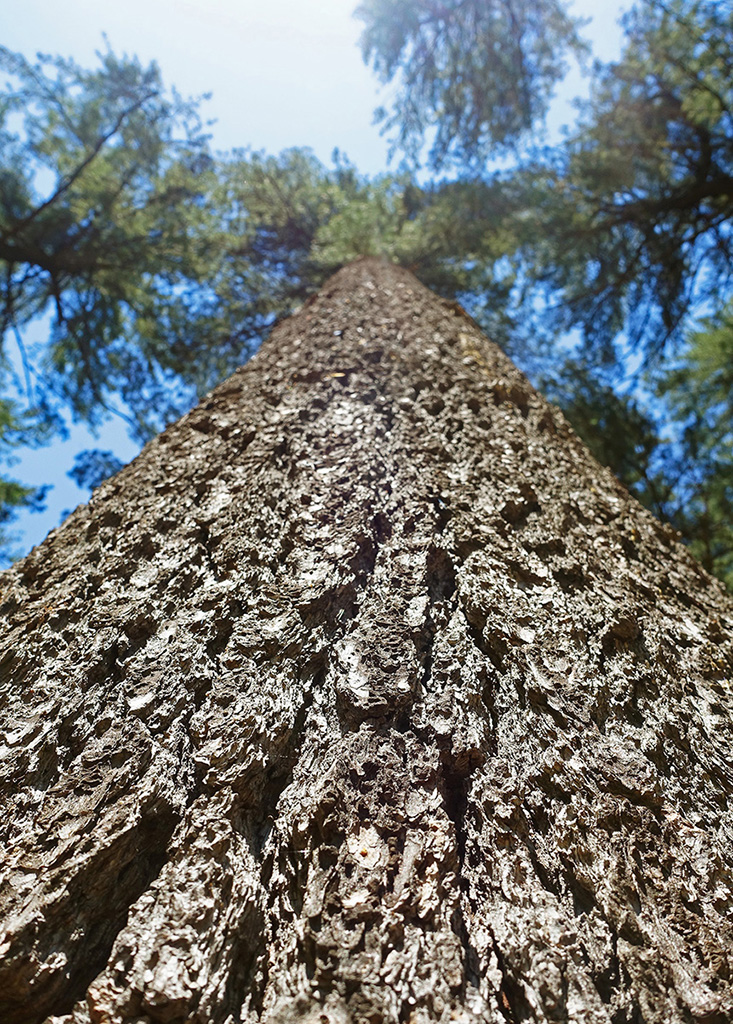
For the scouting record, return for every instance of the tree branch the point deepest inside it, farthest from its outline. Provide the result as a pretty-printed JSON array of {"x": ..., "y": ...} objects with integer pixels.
[{"x": 78, "y": 171}]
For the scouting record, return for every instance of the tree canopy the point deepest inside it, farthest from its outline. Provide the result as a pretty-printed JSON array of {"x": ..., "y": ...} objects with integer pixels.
[
  {"x": 641, "y": 193},
  {"x": 476, "y": 76},
  {"x": 619, "y": 233},
  {"x": 602, "y": 261},
  {"x": 104, "y": 189}
]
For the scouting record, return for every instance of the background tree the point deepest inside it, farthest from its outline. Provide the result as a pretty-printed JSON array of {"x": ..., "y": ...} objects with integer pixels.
[
  {"x": 475, "y": 76},
  {"x": 699, "y": 391},
  {"x": 161, "y": 266},
  {"x": 621, "y": 232},
  {"x": 116, "y": 232},
  {"x": 634, "y": 209}
]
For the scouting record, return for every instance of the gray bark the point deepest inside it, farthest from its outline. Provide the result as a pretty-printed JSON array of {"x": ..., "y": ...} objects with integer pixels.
[{"x": 364, "y": 694}]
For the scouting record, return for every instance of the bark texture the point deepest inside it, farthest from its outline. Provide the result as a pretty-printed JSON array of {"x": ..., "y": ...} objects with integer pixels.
[{"x": 364, "y": 694}]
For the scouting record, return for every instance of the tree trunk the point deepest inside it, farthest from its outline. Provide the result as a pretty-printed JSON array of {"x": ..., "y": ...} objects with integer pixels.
[{"x": 364, "y": 694}]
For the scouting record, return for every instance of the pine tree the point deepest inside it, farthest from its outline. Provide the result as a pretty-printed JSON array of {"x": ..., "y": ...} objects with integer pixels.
[{"x": 366, "y": 694}]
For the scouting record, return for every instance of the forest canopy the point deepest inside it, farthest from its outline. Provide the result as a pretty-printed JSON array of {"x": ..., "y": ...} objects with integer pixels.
[{"x": 600, "y": 261}]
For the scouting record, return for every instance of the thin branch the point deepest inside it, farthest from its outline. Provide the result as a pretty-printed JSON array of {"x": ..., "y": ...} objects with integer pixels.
[
  {"x": 78, "y": 171},
  {"x": 25, "y": 362}
]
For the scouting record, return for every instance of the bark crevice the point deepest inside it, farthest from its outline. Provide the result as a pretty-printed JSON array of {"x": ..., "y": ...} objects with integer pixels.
[{"x": 99, "y": 898}]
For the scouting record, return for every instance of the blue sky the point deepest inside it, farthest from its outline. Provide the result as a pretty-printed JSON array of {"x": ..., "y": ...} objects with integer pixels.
[{"x": 282, "y": 73}]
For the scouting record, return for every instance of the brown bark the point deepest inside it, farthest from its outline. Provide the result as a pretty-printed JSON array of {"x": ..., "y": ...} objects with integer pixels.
[{"x": 364, "y": 694}]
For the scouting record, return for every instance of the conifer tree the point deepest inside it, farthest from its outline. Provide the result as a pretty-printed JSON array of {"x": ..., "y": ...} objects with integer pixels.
[{"x": 365, "y": 694}]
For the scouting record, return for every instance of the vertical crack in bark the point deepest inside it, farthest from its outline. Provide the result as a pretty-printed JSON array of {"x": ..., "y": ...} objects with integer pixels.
[
  {"x": 98, "y": 899},
  {"x": 513, "y": 1002},
  {"x": 455, "y": 799}
]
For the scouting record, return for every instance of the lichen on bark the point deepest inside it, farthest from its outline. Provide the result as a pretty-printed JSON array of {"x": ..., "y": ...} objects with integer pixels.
[{"x": 364, "y": 694}]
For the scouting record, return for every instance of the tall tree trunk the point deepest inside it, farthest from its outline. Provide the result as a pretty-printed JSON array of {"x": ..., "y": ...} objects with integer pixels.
[{"x": 364, "y": 694}]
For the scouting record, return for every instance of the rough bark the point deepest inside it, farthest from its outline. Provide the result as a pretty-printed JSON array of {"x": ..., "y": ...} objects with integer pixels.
[{"x": 364, "y": 694}]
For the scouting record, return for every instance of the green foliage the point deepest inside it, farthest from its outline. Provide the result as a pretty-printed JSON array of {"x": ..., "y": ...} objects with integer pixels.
[
  {"x": 698, "y": 391},
  {"x": 619, "y": 431},
  {"x": 17, "y": 430},
  {"x": 633, "y": 236},
  {"x": 104, "y": 180},
  {"x": 626, "y": 224},
  {"x": 620, "y": 234},
  {"x": 161, "y": 267},
  {"x": 93, "y": 467},
  {"x": 632, "y": 231},
  {"x": 436, "y": 231},
  {"x": 474, "y": 76}
]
